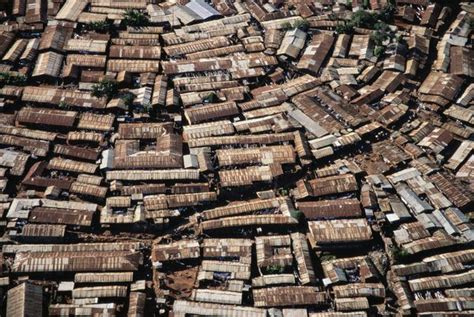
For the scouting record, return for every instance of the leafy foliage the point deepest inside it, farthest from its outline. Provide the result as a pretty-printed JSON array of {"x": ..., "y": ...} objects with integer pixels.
[
  {"x": 400, "y": 255},
  {"x": 349, "y": 4},
  {"x": 211, "y": 98},
  {"x": 368, "y": 20},
  {"x": 99, "y": 26},
  {"x": 298, "y": 215},
  {"x": 363, "y": 19},
  {"x": 274, "y": 269},
  {"x": 127, "y": 99},
  {"x": 64, "y": 105},
  {"x": 135, "y": 18},
  {"x": 471, "y": 23},
  {"x": 7, "y": 78},
  {"x": 387, "y": 13},
  {"x": 303, "y": 25},
  {"x": 106, "y": 88},
  {"x": 379, "y": 51},
  {"x": 380, "y": 34},
  {"x": 345, "y": 28},
  {"x": 327, "y": 257},
  {"x": 286, "y": 26}
]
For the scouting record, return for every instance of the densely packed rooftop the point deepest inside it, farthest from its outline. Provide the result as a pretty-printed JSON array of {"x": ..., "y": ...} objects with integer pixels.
[{"x": 236, "y": 158}]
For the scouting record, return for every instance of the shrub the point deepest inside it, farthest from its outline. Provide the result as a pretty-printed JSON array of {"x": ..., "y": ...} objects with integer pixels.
[
  {"x": 379, "y": 51},
  {"x": 345, "y": 28},
  {"x": 298, "y": 215},
  {"x": 127, "y": 99},
  {"x": 303, "y": 25},
  {"x": 286, "y": 26},
  {"x": 381, "y": 33},
  {"x": 99, "y": 26},
  {"x": 400, "y": 255},
  {"x": 7, "y": 78},
  {"x": 135, "y": 18},
  {"x": 327, "y": 257},
  {"x": 106, "y": 88},
  {"x": 364, "y": 19},
  {"x": 64, "y": 105},
  {"x": 387, "y": 13},
  {"x": 274, "y": 269},
  {"x": 211, "y": 98}
]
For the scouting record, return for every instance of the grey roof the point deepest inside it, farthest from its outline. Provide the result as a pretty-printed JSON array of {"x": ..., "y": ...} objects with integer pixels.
[
  {"x": 412, "y": 200},
  {"x": 202, "y": 9}
]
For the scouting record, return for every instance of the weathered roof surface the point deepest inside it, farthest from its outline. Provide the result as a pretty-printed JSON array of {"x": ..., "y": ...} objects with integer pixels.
[
  {"x": 249, "y": 175},
  {"x": 154, "y": 175},
  {"x": 217, "y": 296},
  {"x": 71, "y": 10},
  {"x": 316, "y": 52},
  {"x": 333, "y": 185},
  {"x": 283, "y": 154},
  {"x": 137, "y": 304},
  {"x": 439, "y": 282},
  {"x": 82, "y": 310},
  {"x": 34, "y": 230},
  {"x": 86, "y": 45},
  {"x": 462, "y": 61},
  {"x": 340, "y": 231},
  {"x": 183, "y": 307},
  {"x": 46, "y": 116},
  {"x": 238, "y": 208},
  {"x": 79, "y": 247},
  {"x": 288, "y": 296},
  {"x": 53, "y": 95},
  {"x": 443, "y": 86},
  {"x": 179, "y": 250},
  {"x": 359, "y": 290},
  {"x": 211, "y": 112},
  {"x": 77, "y": 261},
  {"x": 303, "y": 259},
  {"x": 133, "y": 65},
  {"x": 103, "y": 277},
  {"x": 25, "y": 299},
  {"x": 341, "y": 208},
  {"x": 222, "y": 248},
  {"x": 135, "y": 52},
  {"x": 248, "y": 221},
  {"x": 61, "y": 216},
  {"x": 111, "y": 291}
]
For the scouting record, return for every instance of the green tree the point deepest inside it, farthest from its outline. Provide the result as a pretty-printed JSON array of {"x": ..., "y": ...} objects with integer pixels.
[
  {"x": 7, "y": 78},
  {"x": 379, "y": 51},
  {"x": 135, "y": 18},
  {"x": 106, "y": 88},
  {"x": 326, "y": 257},
  {"x": 99, "y": 26},
  {"x": 286, "y": 26},
  {"x": 388, "y": 12},
  {"x": 378, "y": 37},
  {"x": 303, "y": 25},
  {"x": 298, "y": 215},
  {"x": 274, "y": 269},
  {"x": 345, "y": 28},
  {"x": 64, "y": 105},
  {"x": 211, "y": 98},
  {"x": 363, "y": 19},
  {"x": 399, "y": 255},
  {"x": 128, "y": 99}
]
